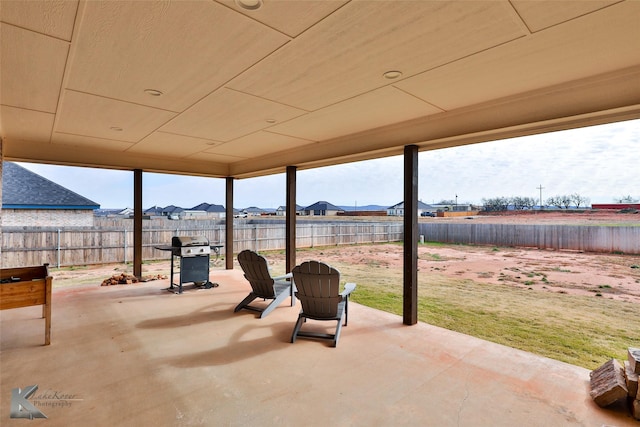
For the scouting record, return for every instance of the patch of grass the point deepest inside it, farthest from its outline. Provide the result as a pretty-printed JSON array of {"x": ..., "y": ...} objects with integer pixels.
[{"x": 572, "y": 329}]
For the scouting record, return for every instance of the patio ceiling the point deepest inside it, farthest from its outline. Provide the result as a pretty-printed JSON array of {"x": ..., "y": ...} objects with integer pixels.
[{"x": 210, "y": 88}]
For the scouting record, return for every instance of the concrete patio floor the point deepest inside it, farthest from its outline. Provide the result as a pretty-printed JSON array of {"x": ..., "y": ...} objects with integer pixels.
[{"x": 141, "y": 356}]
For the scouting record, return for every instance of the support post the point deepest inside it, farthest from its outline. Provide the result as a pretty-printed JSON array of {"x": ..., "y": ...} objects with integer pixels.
[
  {"x": 410, "y": 276},
  {"x": 137, "y": 223},
  {"x": 290, "y": 221},
  {"x": 228, "y": 234}
]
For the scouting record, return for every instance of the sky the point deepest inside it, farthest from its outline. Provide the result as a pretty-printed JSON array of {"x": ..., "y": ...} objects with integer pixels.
[{"x": 601, "y": 163}]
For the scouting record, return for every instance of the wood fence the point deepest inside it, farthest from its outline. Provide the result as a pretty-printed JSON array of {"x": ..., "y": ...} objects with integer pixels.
[
  {"x": 67, "y": 247},
  {"x": 109, "y": 244},
  {"x": 608, "y": 239}
]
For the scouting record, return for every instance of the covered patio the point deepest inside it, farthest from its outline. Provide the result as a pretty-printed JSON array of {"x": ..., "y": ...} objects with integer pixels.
[
  {"x": 239, "y": 89},
  {"x": 139, "y": 355}
]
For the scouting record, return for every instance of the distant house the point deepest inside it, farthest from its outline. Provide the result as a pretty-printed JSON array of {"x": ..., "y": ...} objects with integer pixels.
[
  {"x": 190, "y": 214},
  {"x": 322, "y": 209},
  {"x": 211, "y": 211},
  {"x": 254, "y": 211},
  {"x": 398, "y": 209},
  {"x": 30, "y": 200},
  {"x": 153, "y": 211},
  {"x": 460, "y": 207},
  {"x": 126, "y": 212},
  {"x": 282, "y": 210},
  {"x": 170, "y": 211}
]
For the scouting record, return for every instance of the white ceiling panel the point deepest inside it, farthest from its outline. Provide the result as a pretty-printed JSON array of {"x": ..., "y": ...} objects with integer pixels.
[
  {"x": 169, "y": 144},
  {"x": 227, "y": 114},
  {"x": 110, "y": 145},
  {"x": 213, "y": 157},
  {"x": 32, "y": 69},
  {"x": 183, "y": 49},
  {"x": 541, "y": 14},
  {"x": 556, "y": 55},
  {"x": 374, "y": 109},
  {"x": 362, "y": 41},
  {"x": 292, "y": 18},
  {"x": 26, "y": 125},
  {"x": 54, "y": 18},
  {"x": 258, "y": 144},
  {"x": 89, "y": 115}
]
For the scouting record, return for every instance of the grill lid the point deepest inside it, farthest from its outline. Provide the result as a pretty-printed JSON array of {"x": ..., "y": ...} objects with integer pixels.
[{"x": 182, "y": 241}]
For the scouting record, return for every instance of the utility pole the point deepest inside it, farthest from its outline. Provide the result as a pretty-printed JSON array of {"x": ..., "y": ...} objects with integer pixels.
[{"x": 540, "y": 188}]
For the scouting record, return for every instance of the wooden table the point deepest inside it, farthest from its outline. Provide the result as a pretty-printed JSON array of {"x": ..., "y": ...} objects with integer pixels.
[{"x": 27, "y": 286}]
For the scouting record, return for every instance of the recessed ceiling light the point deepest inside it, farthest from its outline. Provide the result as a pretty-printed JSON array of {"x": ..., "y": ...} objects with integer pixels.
[
  {"x": 270, "y": 120},
  {"x": 153, "y": 92},
  {"x": 249, "y": 4},
  {"x": 391, "y": 75},
  {"x": 116, "y": 128}
]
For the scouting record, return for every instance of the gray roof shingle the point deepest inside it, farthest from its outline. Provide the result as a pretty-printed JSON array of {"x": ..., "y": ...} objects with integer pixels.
[
  {"x": 23, "y": 189},
  {"x": 323, "y": 206},
  {"x": 208, "y": 207}
]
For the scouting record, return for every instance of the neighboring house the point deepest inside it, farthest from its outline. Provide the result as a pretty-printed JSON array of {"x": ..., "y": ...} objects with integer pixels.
[
  {"x": 190, "y": 214},
  {"x": 172, "y": 211},
  {"x": 282, "y": 210},
  {"x": 322, "y": 209},
  {"x": 211, "y": 210},
  {"x": 153, "y": 211},
  {"x": 398, "y": 209},
  {"x": 254, "y": 211},
  {"x": 460, "y": 207},
  {"x": 126, "y": 212},
  {"x": 30, "y": 200}
]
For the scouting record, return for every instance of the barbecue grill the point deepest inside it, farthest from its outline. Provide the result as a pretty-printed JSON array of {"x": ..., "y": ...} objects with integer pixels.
[{"x": 193, "y": 253}]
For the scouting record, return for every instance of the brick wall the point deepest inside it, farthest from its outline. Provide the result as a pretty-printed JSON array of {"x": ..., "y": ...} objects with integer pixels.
[{"x": 47, "y": 218}]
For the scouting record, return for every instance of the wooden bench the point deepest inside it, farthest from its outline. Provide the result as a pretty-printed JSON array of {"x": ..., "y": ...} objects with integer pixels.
[{"x": 27, "y": 286}]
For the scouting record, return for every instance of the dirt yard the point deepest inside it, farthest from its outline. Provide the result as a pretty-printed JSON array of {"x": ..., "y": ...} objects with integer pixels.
[{"x": 601, "y": 275}]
